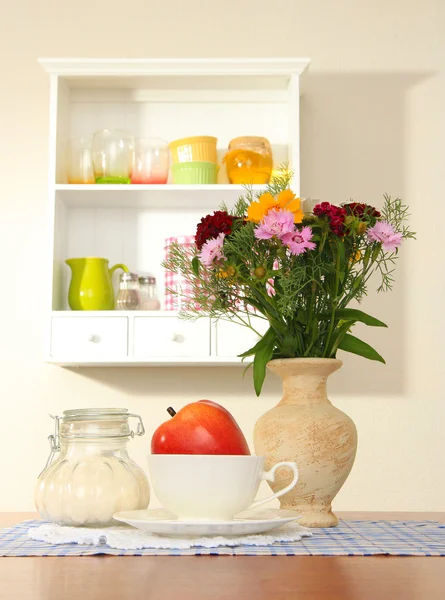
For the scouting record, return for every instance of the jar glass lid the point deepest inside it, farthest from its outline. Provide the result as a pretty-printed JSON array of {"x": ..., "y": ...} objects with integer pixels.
[
  {"x": 81, "y": 414},
  {"x": 97, "y": 423}
]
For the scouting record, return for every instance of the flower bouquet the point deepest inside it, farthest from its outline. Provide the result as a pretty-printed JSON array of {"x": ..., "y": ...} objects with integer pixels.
[{"x": 298, "y": 271}]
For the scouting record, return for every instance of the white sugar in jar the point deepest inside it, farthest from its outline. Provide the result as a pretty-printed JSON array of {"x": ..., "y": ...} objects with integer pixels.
[{"x": 93, "y": 477}]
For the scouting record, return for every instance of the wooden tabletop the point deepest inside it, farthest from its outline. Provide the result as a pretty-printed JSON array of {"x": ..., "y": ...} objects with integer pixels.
[{"x": 224, "y": 577}]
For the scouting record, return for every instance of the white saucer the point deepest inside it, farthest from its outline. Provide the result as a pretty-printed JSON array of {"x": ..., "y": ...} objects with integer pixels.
[{"x": 162, "y": 522}]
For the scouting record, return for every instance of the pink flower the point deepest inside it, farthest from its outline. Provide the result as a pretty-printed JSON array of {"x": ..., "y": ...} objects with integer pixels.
[
  {"x": 383, "y": 233},
  {"x": 299, "y": 241},
  {"x": 275, "y": 224},
  {"x": 212, "y": 250}
]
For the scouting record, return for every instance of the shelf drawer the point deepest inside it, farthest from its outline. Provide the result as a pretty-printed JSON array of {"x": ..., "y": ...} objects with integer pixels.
[
  {"x": 233, "y": 339},
  {"x": 171, "y": 337},
  {"x": 89, "y": 337}
]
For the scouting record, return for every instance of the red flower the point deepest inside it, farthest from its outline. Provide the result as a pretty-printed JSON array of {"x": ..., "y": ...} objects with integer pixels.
[
  {"x": 322, "y": 209},
  {"x": 335, "y": 215},
  {"x": 338, "y": 225},
  {"x": 212, "y": 225},
  {"x": 360, "y": 210}
]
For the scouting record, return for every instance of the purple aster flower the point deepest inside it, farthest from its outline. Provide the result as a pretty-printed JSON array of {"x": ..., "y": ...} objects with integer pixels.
[
  {"x": 212, "y": 250},
  {"x": 275, "y": 224},
  {"x": 299, "y": 241},
  {"x": 383, "y": 233}
]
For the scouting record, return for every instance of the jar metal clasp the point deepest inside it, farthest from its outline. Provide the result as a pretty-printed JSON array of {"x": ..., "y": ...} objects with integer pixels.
[
  {"x": 140, "y": 429},
  {"x": 54, "y": 442}
]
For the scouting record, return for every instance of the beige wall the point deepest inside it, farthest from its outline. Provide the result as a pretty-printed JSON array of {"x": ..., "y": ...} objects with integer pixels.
[{"x": 373, "y": 121}]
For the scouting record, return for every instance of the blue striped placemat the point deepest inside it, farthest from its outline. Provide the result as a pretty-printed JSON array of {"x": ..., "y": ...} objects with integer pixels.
[{"x": 349, "y": 538}]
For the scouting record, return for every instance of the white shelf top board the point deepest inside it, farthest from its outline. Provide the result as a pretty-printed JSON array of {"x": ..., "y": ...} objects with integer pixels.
[
  {"x": 206, "y": 197},
  {"x": 166, "y": 73},
  {"x": 174, "y": 66}
]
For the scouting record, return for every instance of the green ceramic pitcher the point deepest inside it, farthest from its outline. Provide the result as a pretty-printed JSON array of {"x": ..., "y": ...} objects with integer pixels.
[{"x": 91, "y": 287}]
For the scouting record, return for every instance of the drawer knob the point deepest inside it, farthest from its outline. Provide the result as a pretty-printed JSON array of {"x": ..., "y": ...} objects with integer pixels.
[
  {"x": 95, "y": 339},
  {"x": 178, "y": 338}
]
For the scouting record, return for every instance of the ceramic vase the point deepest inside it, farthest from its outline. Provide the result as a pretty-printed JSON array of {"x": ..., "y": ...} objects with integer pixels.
[{"x": 306, "y": 428}]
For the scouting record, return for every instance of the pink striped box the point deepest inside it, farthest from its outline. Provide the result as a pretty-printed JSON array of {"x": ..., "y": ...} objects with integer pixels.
[{"x": 174, "y": 281}]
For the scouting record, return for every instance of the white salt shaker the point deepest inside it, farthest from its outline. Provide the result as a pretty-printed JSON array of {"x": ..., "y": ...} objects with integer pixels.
[{"x": 149, "y": 295}]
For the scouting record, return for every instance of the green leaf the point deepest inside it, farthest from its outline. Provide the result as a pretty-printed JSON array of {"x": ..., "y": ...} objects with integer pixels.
[
  {"x": 267, "y": 338},
  {"x": 352, "y": 314},
  {"x": 341, "y": 250},
  {"x": 278, "y": 326},
  {"x": 255, "y": 304},
  {"x": 357, "y": 283},
  {"x": 328, "y": 269},
  {"x": 195, "y": 266},
  {"x": 262, "y": 357},
  {"x": 246, "y": 369},
  {"x": 352, "y": 344},
  {"x": 301, "y": 316},
  {"x": 268, "y": 309},
  {"x": 288, "y": 346},
  {"x": 338, "y": 335},
  {"x": 376, "y": 252}
]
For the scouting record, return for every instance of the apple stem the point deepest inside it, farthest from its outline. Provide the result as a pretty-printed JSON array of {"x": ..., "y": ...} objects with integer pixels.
[{"x": 171, "y": 411}]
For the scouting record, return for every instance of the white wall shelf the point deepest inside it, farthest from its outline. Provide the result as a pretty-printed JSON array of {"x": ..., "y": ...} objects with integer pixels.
[
  {"x": 146, "y": 338},
  {"x": 129, "y": 224},
  {"x": 90, "y": 72},
  {"x": 211, "y": 361},
  {"x": 183, "y": 197}
]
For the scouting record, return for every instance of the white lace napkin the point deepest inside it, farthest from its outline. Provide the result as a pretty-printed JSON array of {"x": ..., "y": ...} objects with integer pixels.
[{"x": 128, "y": 538}]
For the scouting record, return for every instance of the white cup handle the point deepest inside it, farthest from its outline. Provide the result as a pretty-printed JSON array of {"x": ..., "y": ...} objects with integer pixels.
[{"x": 270, "y": 476}]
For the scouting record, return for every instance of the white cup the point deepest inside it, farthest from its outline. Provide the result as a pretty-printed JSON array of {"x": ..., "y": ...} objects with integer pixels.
[{"x": 211, "y": 487}]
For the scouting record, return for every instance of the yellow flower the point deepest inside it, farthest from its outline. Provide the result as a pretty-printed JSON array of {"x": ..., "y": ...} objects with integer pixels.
[
  {"x": 259, "y": 209},
  {"x": 259, "y": 272},
  {"x": 355, "y": 257},
  {"x": 229, "y": 271},
  {"x": 285, "y": 200}
]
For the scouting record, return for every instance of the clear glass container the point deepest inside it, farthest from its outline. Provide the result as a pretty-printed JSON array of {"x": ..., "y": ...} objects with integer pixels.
[
  {"x": 79, "y": 161},
  {"x": 249, "y": 160},
  {"x": 113, "y": 153},
  {"x": 128, "y": 296},
  {"x": 151, "y": 161},
  {"x": 149, "y": 294},
  {"x": 93, "y": 476}
]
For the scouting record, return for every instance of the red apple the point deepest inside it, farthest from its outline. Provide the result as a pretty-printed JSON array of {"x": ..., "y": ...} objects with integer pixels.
[{"x": 202, "y": 427}]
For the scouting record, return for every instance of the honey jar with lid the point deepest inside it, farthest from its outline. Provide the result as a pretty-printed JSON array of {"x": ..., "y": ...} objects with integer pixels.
[{"x": 249, "y": 160}]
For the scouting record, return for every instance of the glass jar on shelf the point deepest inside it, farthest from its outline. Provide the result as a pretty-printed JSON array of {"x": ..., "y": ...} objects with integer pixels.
[
  {"x": 128, "y": 295},
  {"x": 151, "y": 161},
  {"x": 79, "y": 162},
  {"x": 149, "y": 294},
  {"x": 249, "y": 160},
  {"x": 113, "y": 153},
  {"x": 93, "y": 477}
]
